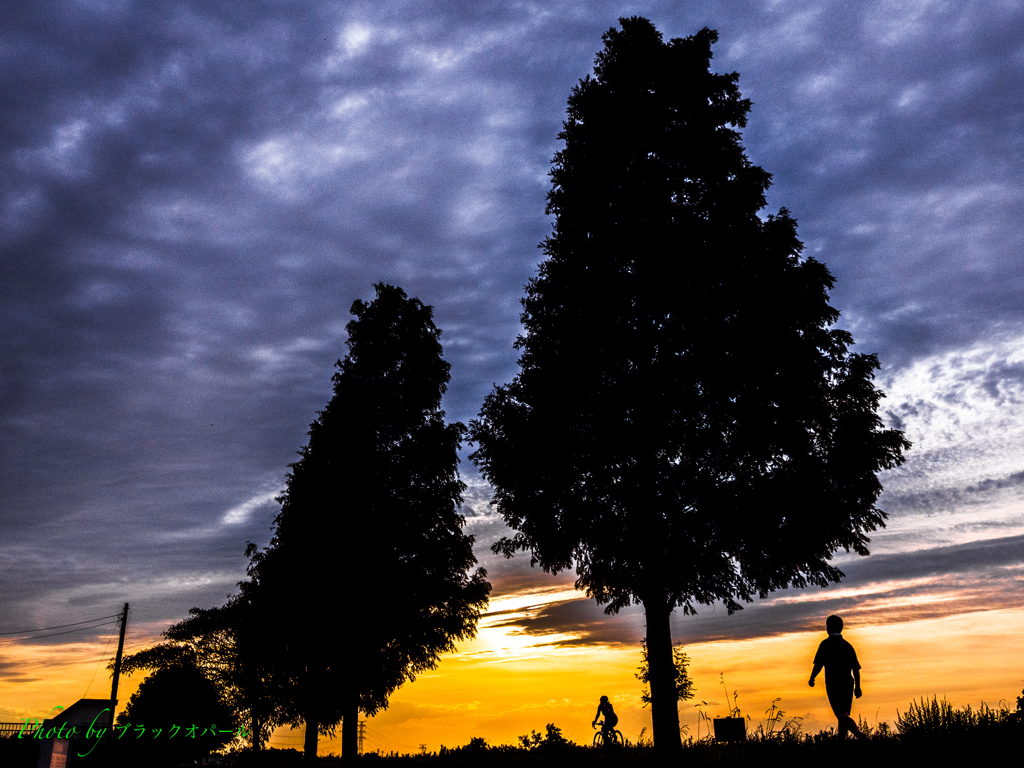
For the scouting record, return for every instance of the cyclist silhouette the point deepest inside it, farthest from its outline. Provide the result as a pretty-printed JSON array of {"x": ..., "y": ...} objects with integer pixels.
[{"x": 610, "y": 720}]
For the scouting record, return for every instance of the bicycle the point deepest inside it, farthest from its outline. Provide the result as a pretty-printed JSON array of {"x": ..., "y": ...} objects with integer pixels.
[{"x": 599, "y": 737}]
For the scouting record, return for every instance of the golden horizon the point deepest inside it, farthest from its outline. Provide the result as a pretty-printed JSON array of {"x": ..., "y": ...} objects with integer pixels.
[{"x": 504, "y": 683}]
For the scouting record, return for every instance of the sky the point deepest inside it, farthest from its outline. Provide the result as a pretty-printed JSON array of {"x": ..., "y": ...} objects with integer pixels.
[{"x": 192, "y": 194}]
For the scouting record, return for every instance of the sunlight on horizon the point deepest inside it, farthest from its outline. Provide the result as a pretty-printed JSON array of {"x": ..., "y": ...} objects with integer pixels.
[
  {"x": 505, "y": 684},
  {"x": 969, "y": 658}
]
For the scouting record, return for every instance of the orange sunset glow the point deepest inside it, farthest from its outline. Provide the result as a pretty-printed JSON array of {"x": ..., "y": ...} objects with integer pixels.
[{"x": 504, "y": 684}]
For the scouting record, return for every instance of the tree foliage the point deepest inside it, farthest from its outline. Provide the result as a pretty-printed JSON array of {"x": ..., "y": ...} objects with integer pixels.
[
  {"x": 687, "y": 425},
  {"x": 681, "y": 682},
  {"x": 552, "y": 741},
  {"x": 368, "y": 568},
  {"x": 166, "y": 704},
  {"x": 225, "y": 645}
]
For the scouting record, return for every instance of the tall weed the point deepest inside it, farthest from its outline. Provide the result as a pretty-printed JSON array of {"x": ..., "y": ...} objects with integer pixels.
[{"x": 940, "y": 717}]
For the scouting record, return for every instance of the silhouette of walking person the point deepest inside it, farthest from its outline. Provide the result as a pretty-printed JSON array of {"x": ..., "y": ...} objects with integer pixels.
[{"x": 842, "y": 675}]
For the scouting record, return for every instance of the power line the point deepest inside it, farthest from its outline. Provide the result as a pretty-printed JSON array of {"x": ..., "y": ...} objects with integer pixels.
[
  {"x": 384, "y": 746},
  {"x": 62, "y": 626},
  {"x": 373, "y": 735},
  {"x": 109, "y": 638},
  {"x": 290, "y": 741},
  {"x": 383, "y": 738},
  {"x": 82, "y": 661},
  {"x": 65, "y": 632}
]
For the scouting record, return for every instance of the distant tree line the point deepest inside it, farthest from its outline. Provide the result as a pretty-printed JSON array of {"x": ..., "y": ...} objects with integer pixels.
[{"x": 687, "y": 425}]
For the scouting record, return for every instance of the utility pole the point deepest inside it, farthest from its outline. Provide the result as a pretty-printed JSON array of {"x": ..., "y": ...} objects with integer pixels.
[
  {"x": 117, "y": 663},
  {"x": 362, "y": 735}
]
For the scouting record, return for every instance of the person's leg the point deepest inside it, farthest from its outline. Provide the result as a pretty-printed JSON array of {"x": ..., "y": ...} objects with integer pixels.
[
  {"x": 841, "y": 701},
  {"x": 851, "y": 727},
  {"x": 843, "y": 720}
]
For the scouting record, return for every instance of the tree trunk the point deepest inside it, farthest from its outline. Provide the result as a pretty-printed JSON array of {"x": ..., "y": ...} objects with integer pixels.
[
  {"x": 349, "y": 727},
  {"x": 312, "y": 728},
  {"x": 661, "y": 677},
  {"x": 257, "y": 729}
]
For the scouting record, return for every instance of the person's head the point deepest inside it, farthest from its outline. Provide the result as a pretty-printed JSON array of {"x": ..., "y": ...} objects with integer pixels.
[
  {"x": 604, "y": 699},
  {"x": 833, "y": 625}
]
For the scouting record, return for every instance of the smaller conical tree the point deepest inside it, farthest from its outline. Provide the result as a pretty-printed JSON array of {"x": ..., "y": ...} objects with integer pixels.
[{"x": 370, "y": 565}]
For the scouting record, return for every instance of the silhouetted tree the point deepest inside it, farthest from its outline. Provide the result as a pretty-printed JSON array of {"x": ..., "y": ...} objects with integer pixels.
[
  {"x": 368, "y": 561},
  {"x": 686, "y": 426},
  {"x": 226, "y": 645},
  {"x": 177, "y": 715}
]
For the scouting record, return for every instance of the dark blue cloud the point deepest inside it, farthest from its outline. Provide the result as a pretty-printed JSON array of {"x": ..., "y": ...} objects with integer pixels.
[
  {"x": 881, "y": 589},
  {"x": 192, "y": 195}
]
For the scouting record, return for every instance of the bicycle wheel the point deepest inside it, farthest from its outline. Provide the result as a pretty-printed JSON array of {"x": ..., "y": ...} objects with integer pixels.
[
  {"x": 599, "y": 739},
  {"x": 617, "y": 738}
]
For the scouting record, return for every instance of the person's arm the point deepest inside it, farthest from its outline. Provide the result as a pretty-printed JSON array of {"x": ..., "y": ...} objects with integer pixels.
[
  {"x": 814, "y": 673},
  {"x": 856, "y": 673}
]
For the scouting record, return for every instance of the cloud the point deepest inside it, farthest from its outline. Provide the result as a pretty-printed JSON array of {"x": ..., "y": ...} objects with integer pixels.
[
  {"x": 193, "y": 194},
  {"x": 878, "y": 590},
  {"x": 241, "y": 513},
  {"x": 886, "y": 148}
]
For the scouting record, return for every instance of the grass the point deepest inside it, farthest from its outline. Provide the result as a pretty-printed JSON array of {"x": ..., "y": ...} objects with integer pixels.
[
  {"x": 939, "y": 718},
  {"x": 930, "y": 731}
]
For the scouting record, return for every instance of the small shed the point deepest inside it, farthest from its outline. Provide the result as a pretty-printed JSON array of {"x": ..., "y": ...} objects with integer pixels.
[{"x": 86, "y": 719}]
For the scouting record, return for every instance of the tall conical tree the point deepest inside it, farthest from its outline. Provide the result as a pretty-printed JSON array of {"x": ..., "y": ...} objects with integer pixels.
[
  {"x": 687, "y": 426},
  {"x": 369, "y": 561}
]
